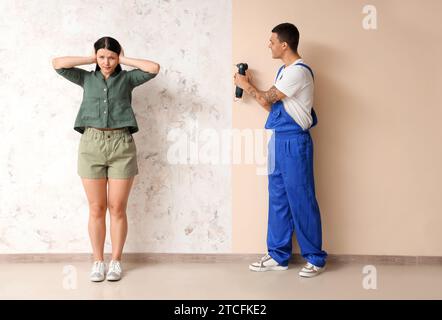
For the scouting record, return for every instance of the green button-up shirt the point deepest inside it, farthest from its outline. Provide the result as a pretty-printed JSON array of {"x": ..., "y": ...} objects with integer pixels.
[{"x": 106, "y": 103}]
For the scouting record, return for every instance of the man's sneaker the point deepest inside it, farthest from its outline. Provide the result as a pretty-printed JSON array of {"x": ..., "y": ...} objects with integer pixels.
[
  {"x": 267, "y": 264},
  {"x": 310, "y": 270},
  {"x": 98, "y": 270},
  {"x": 115, "y": 270}
]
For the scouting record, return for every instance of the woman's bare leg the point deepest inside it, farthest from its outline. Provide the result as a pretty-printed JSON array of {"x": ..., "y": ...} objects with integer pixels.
[
  {"x": 118, "y": 196},
  {"x": 96, "y": 192}
]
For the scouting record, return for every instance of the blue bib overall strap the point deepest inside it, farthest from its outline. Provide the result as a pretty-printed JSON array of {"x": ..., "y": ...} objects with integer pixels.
[
  {"x": 279, "y": 71},
  {"x": 306, "y": 66},
  {"x": 279, "y": 120},
  {"x": 315, "y": 118},
  {"x": 293, "y": 208}
]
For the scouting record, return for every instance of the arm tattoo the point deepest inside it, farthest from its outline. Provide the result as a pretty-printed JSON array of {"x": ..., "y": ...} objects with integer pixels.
[
  {"x": 271, "y": 96},
  {"x": 253, "y": 93},
  {"x": 251, "y": 90}
]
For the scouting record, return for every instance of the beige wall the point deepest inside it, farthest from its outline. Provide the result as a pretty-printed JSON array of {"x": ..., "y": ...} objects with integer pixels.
[{"x": 378, "y": 150}]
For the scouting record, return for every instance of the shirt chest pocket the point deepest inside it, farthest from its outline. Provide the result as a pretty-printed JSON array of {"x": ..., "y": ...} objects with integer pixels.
[
  {"x": 90, "y": 108},
  {"x": 121, "y": 110}
]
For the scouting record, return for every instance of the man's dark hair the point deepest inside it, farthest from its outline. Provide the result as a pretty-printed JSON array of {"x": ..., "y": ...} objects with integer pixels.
[{"x": 288, "y": 32}]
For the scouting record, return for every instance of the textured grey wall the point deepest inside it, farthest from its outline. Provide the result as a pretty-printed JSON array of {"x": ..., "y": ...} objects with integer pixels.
[{"x": 172, "y": 208}]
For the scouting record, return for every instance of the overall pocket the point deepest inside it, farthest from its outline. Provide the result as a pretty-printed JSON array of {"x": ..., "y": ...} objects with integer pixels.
[
  {"x": 297, "y": 147},
  {"x": 298, "y": 164}
]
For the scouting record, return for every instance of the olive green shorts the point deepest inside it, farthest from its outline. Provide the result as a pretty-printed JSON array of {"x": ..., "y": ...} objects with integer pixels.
[{"x": 107, "y": 154}]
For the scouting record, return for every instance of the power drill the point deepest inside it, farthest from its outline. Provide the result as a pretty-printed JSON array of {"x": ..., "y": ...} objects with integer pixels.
[{"x": 242, "y": 67}]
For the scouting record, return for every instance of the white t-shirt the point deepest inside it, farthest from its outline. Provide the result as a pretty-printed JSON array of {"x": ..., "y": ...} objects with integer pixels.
[{"x": 296, "y": 82}]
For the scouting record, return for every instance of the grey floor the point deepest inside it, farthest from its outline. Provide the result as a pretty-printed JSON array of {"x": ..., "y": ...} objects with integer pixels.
[{"x": 175, "y": 280}]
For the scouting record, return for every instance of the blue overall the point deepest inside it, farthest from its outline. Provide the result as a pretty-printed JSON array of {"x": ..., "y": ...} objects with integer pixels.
[{"x": 292, "y": 201}]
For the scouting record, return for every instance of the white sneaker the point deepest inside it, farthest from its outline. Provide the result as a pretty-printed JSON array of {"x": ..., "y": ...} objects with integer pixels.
[
  {"x": 97, "y": 272},
  {"x": 267, "y": 263},
  {"x": 310, "y": 270},
  {"x": 115, "y": 270}
]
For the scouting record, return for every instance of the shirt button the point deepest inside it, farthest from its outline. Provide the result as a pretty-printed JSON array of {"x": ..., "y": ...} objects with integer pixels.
[
  {"x": 105, "y": 100},
  {"x": 104, "y": 89},
  {"x": 108, "y": 137},
  {"x": 104, "y": 112}
]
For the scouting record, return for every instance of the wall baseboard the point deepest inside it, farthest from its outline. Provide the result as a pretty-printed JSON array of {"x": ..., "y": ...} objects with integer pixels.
[{"x": 214, "y": 258}]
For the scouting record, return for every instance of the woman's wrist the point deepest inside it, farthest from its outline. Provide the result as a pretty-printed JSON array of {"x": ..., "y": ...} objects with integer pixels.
[{"x": 122, "y": 60}]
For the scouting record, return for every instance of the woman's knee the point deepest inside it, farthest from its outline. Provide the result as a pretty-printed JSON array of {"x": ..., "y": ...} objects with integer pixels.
[
  {"x": 117, "y": 210},
  {"x": 97, "y": 210}
]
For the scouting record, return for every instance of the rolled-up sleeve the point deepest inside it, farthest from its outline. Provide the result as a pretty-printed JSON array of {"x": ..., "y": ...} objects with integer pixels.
[
  {"x": 137, "y": 77},
  {"x": 75, "y": 75}
]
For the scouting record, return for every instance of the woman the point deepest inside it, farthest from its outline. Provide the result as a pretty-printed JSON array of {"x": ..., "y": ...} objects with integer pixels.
[{"x": 107, "y": 152}]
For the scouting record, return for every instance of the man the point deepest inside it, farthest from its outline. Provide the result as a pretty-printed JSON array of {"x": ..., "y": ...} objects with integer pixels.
[{"x": 292, "y": 201}]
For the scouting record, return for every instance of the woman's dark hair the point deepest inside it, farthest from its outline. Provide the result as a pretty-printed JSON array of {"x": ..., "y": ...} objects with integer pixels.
[
  {"x": 288, "y": 32},
  {"x": 111, "y": 44}
]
